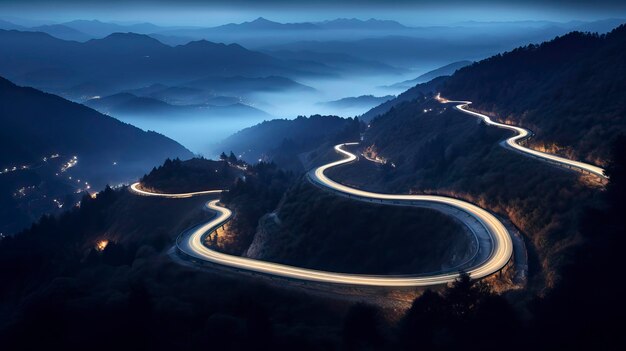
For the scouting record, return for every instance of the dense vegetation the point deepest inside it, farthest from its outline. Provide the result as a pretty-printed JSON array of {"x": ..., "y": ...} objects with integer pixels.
[
  {"x": 569, "y": 91},
  {"x": 196, "y": 174},
  {"x": 577, "y": 314},
  {"x": 323, "y": 231},
  {"x": 282, "y": 141},
  {"x": 258, "y": 193},
  {"x": 60, "y": 290},
  {"x": 446, "y": 152},
  {"x": 418, "y": 91}
]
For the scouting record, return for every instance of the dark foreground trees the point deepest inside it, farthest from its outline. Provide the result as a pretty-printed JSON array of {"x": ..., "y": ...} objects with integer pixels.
[{"x": 466, "y": 314}]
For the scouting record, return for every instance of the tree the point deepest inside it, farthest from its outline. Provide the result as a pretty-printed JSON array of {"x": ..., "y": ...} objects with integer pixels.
[
  {"x": 232, "y": 158},
  {"x": 418, "y": 326},
  {"x": 464, "y": 296}
]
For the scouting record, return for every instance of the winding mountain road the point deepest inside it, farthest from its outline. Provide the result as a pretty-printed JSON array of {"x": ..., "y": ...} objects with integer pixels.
[
  {"x": 520, "y": 135},
  {"x": 495, "y": 247},
  {"x": 493, "y": 239}
]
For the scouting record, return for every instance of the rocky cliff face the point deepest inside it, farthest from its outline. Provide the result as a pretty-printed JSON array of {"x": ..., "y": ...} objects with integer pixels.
[{"x": 268, "y": 225}]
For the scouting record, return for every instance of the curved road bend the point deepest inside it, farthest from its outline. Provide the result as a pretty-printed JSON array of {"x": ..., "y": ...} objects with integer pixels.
[
  {"x": 521, "y": 134},
  {"x": 137, "y": 190},
  {"x": 495, "y": 258}
]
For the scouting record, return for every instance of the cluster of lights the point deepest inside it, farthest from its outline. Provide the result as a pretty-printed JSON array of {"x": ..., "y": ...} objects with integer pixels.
[
  {"x": 71, "y": 163},
  {"x": 17, "y": 168},
  {"x": 21, "y": 192},
  {"x": 12, "y": 169}
]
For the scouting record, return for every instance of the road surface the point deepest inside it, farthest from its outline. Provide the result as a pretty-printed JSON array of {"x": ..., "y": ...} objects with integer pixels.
[
  {"x": 498, "y": 239},
  {"x": 137, "y": 190},
  {"x": 521, "y": 134}
]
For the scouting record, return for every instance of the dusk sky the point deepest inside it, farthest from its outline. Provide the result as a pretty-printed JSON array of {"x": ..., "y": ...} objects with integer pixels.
[{"x": 196, "y": 12}]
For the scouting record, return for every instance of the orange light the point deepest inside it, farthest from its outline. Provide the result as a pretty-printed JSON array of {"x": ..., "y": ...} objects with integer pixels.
[{"x": 101, "y": 245}]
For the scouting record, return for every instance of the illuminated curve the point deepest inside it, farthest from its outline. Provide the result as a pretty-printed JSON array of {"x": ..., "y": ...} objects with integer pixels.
[
  {"x": 191, "y": 242},
  {"x": 522, "y": 134},
  {"x": 137, "y": 190}
]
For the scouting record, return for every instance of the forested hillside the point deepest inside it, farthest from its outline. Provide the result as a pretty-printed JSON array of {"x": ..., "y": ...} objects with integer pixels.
[
  {"x": 54, "y": 149},
  {"x": 310, "y": 229},
  {"x": 446, "y": 152},
  {"x": 196, "y": 174},
  {"x": 569, "y": 91},
  {"x": 282, "y": 141},
  {"x": 428, "y": 88},
  {"x": 36, "y": 124}
]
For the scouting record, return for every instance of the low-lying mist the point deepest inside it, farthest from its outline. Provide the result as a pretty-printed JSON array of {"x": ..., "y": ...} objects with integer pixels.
[{"x": 202, "y": 131}]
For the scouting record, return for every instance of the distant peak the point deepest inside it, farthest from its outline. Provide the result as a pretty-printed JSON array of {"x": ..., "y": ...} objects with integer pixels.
[
  {"x": 86, "y": 21},
  {"x": 5, "y": 82},
  {"x": 262, "y": 20},
  {"x": 202, "y": 43},
  {"x": 128, "y": 36}
]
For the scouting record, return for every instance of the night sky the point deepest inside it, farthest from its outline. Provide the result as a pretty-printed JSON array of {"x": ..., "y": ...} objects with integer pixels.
[{"x": 203, "y": 12}]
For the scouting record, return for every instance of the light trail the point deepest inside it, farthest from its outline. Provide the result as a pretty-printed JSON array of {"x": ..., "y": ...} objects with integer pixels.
[
  {"x": 135, "y": 187},
  {"x": 522, "y": 134},
  {"x": 191, "y": 243}
]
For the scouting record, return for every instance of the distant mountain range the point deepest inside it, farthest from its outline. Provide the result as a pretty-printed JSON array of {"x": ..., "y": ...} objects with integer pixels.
[
  {"x": 446, "y": 70},
  {"x": 261, "y": 32},
  {"x": 329, "y": 48},
  {"x": 418, "y": 46},
  {"x": 263, "y": 25},
  {"x": 182, "y": 95},
  {"x": 343, "y": 63},
  {"x": 123, "y": 60},
  {"x": 366, "y": 101},
  {"x": 403, "y": 50},
  {"x": 356, "y": 24},
  {"x": 339, "y": 23},
  {"x": 242, "y": 86},
  {"x": 99, "y": 29},
  {"x": 6, "y": 25},
  {"x": 61, "y": 31},
  {"x": 81, "y": 30},
  {"x": 129, "y": 105}
]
